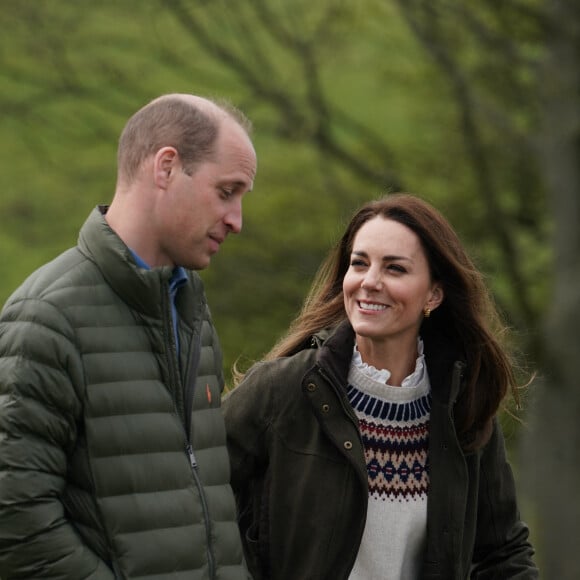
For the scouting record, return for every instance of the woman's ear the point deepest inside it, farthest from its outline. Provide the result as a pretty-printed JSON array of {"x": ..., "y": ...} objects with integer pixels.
[{"x": 436, "y": 298}]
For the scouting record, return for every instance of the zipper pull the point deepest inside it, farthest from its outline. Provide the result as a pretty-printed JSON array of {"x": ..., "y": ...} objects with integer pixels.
[{"x": 191, "y": 455}]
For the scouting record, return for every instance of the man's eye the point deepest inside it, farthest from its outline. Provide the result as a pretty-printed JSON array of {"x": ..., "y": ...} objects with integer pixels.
[{"x": 226, "y": 192}]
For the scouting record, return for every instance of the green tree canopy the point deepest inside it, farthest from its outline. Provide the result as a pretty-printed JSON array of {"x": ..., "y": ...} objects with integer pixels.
[{"x": 474, "y": 106}]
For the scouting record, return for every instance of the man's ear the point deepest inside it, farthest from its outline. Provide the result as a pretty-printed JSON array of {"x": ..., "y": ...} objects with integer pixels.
[
  {"x": 437, "y": 296},
  {"x": 165, "y": 163}
]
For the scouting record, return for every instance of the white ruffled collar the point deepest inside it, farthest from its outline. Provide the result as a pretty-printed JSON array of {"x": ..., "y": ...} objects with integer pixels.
[{"x": 383, "y": 375}]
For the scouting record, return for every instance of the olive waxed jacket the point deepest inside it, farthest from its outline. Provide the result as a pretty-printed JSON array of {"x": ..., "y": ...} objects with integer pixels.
[
  {"x": 111, "y": 464},
  {"x": 299, "y": 474}
]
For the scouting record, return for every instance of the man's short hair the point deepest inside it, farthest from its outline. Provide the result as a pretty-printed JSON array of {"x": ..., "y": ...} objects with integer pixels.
[{"x": 172, "y": 121}]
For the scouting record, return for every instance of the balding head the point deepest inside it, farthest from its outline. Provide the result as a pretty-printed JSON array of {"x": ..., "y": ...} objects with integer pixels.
[{"x": 186, "y": 122}]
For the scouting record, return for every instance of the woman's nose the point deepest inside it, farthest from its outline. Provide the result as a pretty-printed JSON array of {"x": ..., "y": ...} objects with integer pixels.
[{"x": 371, "y": 281}]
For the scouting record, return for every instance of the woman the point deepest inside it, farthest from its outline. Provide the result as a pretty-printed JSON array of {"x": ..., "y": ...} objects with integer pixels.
[{"x": 366, "y": 445}]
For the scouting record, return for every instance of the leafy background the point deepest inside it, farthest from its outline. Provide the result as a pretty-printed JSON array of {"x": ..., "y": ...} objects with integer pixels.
[{"x": 474, "y": 106}]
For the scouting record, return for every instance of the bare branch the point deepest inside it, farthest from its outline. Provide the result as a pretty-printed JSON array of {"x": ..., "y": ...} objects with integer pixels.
[
  {"x": 424, "y": 23},
  {"x": 309, "y": 120}
]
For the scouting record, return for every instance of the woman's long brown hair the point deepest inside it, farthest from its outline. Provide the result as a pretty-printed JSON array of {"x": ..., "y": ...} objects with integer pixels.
[{"x": 467, "y": 315}]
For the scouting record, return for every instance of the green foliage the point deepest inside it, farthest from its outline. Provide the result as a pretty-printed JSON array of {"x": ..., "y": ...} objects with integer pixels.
[{"x": 349, "y": 101}]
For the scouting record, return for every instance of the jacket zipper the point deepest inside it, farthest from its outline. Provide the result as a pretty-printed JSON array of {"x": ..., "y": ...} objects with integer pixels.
[
  {"x": 188, "y": 392},
  {"x": 190, "y": 378},
  {"x": 205, "y": 509}
]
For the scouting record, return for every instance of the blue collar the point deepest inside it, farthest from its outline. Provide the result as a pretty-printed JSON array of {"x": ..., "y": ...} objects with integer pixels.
[{"x": 178, "y": 276}]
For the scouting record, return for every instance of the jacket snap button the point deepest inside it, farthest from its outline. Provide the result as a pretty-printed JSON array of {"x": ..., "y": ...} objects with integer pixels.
[
  {"x": 348, "y": 444},
  {"x": 311, "y": 387},
  {"x": 325, "y": 408}
]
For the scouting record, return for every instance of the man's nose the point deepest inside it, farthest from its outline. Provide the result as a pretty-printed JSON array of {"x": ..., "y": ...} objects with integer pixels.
[{"x": 233, "y": 218}]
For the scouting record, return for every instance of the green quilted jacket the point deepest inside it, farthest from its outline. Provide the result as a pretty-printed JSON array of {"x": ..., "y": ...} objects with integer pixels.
[{"x": 112, "y": 460}]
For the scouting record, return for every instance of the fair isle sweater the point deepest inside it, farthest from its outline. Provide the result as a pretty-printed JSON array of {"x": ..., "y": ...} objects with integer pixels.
[{"x": 394, "y": 425}]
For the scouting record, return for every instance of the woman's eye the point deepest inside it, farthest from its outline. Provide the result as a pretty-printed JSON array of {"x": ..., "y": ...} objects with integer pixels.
[
  {"x": 357, "y": 263},
  {"x": 396, "y": 268}
]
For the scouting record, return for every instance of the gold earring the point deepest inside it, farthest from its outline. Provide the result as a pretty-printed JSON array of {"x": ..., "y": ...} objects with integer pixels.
[{"x": 426, "y": 312}]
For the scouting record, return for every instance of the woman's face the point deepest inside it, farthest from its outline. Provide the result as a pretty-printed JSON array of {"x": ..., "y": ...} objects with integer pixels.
[{"x": 388, "y": 284}]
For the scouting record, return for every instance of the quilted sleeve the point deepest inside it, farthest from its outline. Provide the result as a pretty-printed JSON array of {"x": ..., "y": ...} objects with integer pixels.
[{"x": 40, "y": 408}]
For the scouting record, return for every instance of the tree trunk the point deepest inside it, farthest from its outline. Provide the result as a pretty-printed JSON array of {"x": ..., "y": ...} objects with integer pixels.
[{"x": 552, "y": 450}]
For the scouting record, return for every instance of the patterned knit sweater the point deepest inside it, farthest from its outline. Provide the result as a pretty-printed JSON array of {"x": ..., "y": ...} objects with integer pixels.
[{"x": 394, "y": 424}]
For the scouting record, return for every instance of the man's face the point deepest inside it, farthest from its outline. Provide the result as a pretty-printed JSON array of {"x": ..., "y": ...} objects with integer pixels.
[{"x": 200, "y": 209}]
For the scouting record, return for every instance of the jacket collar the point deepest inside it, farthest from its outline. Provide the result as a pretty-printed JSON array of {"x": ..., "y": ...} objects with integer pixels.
[
  {"x": 335, "y": 353},
  {"x": 143, "y": 290},
  {"x": 445, "y": 365}
]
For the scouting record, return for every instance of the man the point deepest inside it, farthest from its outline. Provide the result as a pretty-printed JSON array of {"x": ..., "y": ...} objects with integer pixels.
[{"x": 112, "y": 446}]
